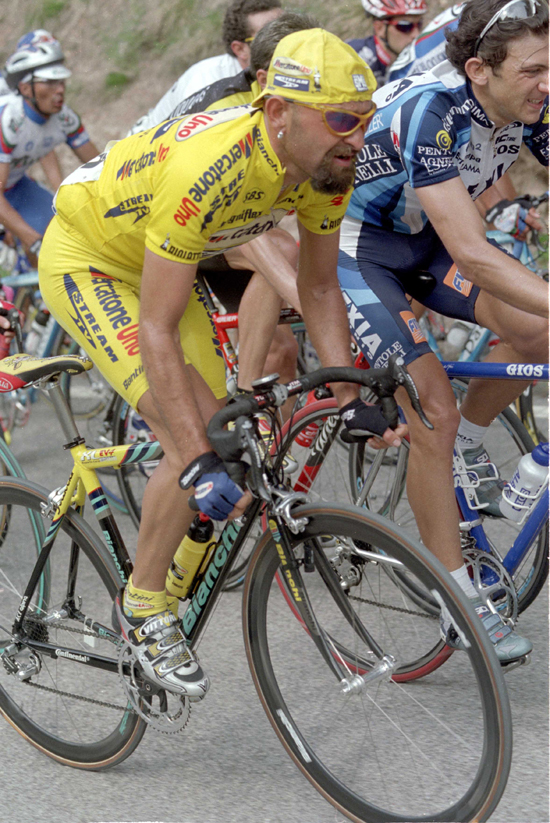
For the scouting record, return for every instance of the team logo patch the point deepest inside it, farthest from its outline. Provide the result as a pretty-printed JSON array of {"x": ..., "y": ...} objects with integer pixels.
[
  {"x": 412, "y": 325},
  {"x": 443, "y": 140},
  {"x": 287, "y": 64},
  {"x": 296, "y": 83},
  {"x": 359, "y": 82},
  {"x": 456, "y": 281},
  {"x": 545, "y": 118}
]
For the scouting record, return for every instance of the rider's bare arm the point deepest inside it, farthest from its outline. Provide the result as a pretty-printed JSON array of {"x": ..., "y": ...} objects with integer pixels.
[
  {"x": 265, "y": 254},
  {"x": 478, "y": 260},
  {"x": 323, "y": 307},
  {"x": 325, "y": 315},
  {"x": 52, "y": 169},
  {"x": 86, "y": 152}
]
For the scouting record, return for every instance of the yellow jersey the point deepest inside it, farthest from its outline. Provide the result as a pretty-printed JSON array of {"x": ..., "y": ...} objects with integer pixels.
[{"x": 188, "y": 189}]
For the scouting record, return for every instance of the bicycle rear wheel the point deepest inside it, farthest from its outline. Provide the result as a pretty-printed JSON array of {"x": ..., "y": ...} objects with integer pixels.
[
  {"x": 73, "y": 712},
  {"x": 437, "y": 749}
]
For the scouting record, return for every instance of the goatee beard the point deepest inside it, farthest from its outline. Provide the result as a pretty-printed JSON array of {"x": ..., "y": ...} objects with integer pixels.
[{"x": 333, "y": 181}]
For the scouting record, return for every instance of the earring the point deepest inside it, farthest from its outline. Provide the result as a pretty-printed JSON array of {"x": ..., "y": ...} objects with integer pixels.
[{"x": 280, "y": 134}]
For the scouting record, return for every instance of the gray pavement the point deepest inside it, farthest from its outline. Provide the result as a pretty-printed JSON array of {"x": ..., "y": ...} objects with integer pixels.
[{"x": 228, "y": 765}]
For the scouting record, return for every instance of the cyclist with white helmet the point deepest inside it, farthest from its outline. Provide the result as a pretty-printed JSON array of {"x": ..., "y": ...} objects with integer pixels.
[
  {"x": 33, "y": 120},
  {"x": 395, "y": 24}
]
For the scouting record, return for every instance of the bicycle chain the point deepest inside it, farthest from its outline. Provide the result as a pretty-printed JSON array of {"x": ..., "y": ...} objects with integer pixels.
[
  {"x": 74, "y": 630},
  {"x": 79, "y": 697},
  {"x": 392, "y": 608}
]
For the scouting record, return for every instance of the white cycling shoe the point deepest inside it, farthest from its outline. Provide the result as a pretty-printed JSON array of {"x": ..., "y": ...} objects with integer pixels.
[
  {"x": 509, "y": 646},
  {"x": 161, "y": 649}
]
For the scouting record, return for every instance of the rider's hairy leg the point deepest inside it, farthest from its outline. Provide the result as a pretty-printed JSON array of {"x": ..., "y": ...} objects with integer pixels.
[
  {"x": 524, "y": 339},
  {"x": 430, "y": 486},
  {"x": 165, "y": 516}
]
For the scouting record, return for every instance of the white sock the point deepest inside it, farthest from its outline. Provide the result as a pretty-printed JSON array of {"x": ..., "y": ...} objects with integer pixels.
[
  {"x": 463, "y": 579},
  {"x": 470, "y": 435}
]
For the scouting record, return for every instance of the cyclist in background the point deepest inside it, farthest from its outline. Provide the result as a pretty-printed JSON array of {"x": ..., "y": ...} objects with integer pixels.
[
  {"x": 428, "y": 48},
  {"x": 33, "y": 120},
  {"x": 118, "y": 268},
  {"x": 395, "y": 24},
  {"x": 242, "y": 21},
  {"x": 438, "y": 141}
]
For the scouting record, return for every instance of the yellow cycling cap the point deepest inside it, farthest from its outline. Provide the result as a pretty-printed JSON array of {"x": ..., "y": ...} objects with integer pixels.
[{"x": 315, "y": 66}]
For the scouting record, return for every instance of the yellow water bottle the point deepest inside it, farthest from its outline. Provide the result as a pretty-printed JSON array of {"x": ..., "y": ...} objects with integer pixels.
[{"x": 189, "y": 556}]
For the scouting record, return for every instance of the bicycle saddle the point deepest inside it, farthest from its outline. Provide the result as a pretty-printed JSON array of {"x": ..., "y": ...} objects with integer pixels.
[{"x": 18, "y": 370}]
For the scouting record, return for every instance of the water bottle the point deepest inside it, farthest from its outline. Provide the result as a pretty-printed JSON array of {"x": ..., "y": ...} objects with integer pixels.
[
  {"x": 457, "y": 336},
  {"x": 529, "y": 478},
  {"x": 37, "y": 330},
  {"x": 189, "y": 556}
]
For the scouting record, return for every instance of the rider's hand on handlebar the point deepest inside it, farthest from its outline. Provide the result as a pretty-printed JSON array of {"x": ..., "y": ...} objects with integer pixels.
[
  {"x": 514, "y": 217},
  {"x": 362, "y": 419},
  {"x": 216, "y": 494}
]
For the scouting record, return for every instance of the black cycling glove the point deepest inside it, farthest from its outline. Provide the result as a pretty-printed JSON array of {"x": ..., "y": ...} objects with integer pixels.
[{"x": 362, "y": 420}]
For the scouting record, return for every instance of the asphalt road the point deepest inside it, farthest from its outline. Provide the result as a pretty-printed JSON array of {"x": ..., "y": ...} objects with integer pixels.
[{"x": 228, "y": 765}]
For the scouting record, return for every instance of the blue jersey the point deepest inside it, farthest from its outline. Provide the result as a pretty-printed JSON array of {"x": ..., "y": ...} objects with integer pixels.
[
  {"x": 430, "y": 128},
  {"x": 367, "y": 51},
  {"x": 428, "y": 49}
]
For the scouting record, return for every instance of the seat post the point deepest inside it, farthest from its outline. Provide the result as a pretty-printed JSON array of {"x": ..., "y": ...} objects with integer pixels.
[{"x": 62, "y": 409}]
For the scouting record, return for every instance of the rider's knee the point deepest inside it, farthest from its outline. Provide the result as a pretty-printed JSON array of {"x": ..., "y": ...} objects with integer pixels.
[
  {"x": 531, "y": 340},
  {"x": 445, "y": 418}
]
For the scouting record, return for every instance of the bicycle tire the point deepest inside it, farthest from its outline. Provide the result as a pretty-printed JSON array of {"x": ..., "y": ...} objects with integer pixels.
[
  {"x": 391, "y": 501},
  {"x": 388, "y": 767},
  {"x": 81, "y": 718},
  {"x": 525, "y": 410}
]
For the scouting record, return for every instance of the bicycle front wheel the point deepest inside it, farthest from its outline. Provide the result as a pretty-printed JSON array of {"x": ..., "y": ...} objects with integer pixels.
[
  {"x": 436, "y": 749},
  {"x": 70, "y": 710}
]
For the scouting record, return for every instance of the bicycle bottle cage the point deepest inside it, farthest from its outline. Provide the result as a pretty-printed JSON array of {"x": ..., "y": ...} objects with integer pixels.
[{"x": 467, "y": 478}]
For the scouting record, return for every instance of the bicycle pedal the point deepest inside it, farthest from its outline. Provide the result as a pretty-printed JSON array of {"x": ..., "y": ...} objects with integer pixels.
[
  {"x": 173, "y": 711},
  {"x": 515, "y": 664}
]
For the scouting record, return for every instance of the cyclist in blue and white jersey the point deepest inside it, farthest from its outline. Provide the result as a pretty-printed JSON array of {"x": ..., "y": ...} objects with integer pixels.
[
  {"x": 428, "y": 49},
  {"x": 395, "y": 24},
  {"x": 437, "y": 142},
  {"x": 33, "y": 120}
]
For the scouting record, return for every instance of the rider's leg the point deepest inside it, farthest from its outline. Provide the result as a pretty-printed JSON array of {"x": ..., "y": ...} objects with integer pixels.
[
  {"x": 429, "y": 472},
  {"x": 524, "y": 339},
  {"x": 165, "y": 515}
]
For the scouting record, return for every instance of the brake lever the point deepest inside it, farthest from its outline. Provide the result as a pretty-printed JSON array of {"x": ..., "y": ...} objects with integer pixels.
[{"x": 398, "y": 370}]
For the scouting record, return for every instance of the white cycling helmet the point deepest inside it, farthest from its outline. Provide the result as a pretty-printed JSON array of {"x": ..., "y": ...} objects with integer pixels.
[
  {"x": 38, "y": 57},
  {"x": 394, "y": 8}
]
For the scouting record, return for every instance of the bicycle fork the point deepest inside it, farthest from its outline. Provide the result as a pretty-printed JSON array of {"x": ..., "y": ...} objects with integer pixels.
[{"x": 350, "y": 682}]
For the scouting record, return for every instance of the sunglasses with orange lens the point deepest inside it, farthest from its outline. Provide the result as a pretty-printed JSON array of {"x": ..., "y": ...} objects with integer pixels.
[{"x": 341, "y": 122}]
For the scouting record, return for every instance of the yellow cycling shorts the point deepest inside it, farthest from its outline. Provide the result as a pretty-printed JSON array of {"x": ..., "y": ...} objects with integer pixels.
[{"x": 97, "y": 302}]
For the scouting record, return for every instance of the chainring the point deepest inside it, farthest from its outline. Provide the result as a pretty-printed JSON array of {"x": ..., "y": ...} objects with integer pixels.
[
  {"x": 162, "y": 710},
  {"x": 493, "y": 583}
]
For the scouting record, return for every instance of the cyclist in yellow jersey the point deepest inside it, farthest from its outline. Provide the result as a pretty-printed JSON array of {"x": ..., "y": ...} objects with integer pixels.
[
  {"x": 264, "y": 270},
  {"x": 117, "y": 269}
]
